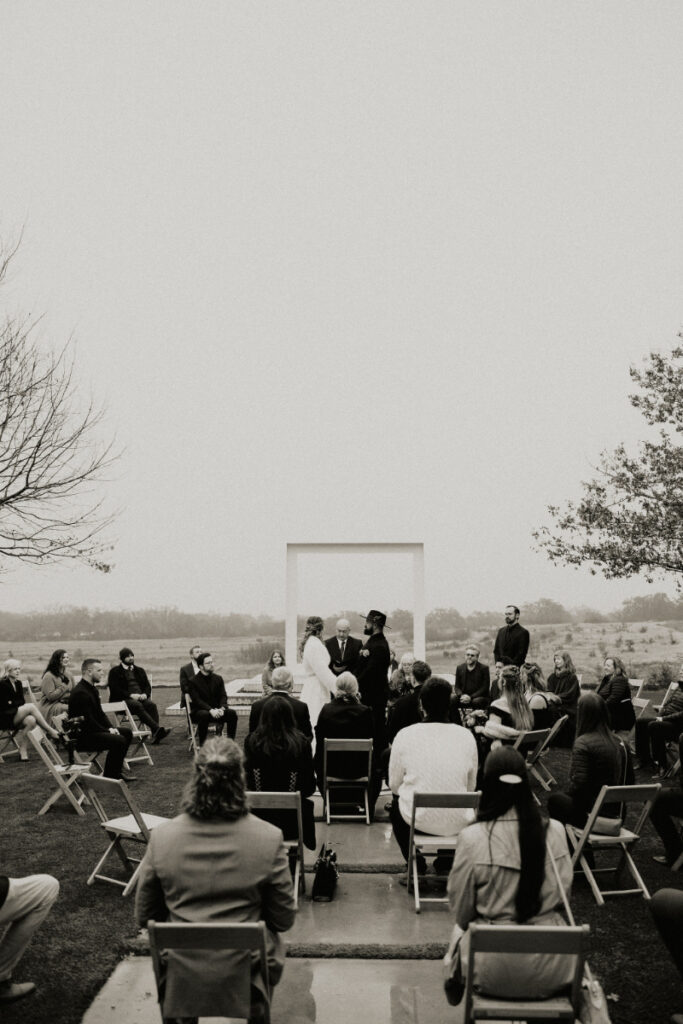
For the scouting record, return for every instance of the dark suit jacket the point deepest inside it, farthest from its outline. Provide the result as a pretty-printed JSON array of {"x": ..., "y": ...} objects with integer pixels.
[
  {"x": 118, "y": 682},
  {"x": 406, "y": 711},
  {"x": 474, "y": 683},
  {"x": 84, "y": 700},
  {"x": 11, "y": 699},
  {"x": 302, "y": 716},
  {"x": 187, "y": 674},
  {"x": 512, "y": 642},
  {"x": 373, "y": 680},
  {"x": 342, "y": 720},
  {"x": 351, "y": 652},
  {"x": 207, "y": 692}
]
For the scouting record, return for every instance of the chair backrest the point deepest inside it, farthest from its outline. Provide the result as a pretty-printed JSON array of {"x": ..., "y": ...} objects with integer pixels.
[
  {"x": 214, "y": 936},
  {"x": 672, "y": 686},
  {"x": 445, "y": 800},
  {"x": 98, "y": 786},
  {"x": 29, "y": 690},
  {"x": 639, "y": 705},
  {"x": 625, "y": 795},
  {"x": 119, "y": 707},
  {"x": 536, "y": 738},
  {"x": 45, "y": 749},
  {"x": 636, "y": 686},
  {"x": 565, "y": 940},
  {"x": 349, "y": 746}
]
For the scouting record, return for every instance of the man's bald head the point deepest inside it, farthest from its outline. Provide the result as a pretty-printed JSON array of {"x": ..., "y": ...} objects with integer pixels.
[{"x": 343, "y": 629}]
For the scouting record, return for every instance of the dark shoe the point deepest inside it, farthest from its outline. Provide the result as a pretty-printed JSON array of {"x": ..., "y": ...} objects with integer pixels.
[
  {"x": 127, "y": 777},
  {"x": 10, "y": 990},
  {"x": 160, "y": 735}
]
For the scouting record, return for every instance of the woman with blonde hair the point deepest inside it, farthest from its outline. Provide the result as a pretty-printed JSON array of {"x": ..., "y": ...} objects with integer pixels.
[
  {"x": 15, "y": 714},
  {"x": 545, "y": 707},
  {"x": 319, "y": 681},
  {"x": 509, "y": 714}
]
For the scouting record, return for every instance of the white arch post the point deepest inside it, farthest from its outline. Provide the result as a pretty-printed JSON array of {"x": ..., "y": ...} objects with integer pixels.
[{"x": 292, "y": 584}]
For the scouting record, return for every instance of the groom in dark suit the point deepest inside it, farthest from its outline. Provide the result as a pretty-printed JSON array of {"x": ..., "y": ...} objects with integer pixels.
[
  {"x": 373, "y": 663},
  {"x": 344, "y": 649}
]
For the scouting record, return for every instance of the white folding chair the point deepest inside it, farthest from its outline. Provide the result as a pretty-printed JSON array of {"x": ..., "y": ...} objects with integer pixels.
[
  {"x": 429, "y": 846},
  {"x": 119, "y": 714},
  {"x": 621, "y": 840},
  {"x": 8, "y": 745},
  {"x": 67, "y": 776},
  {"x": 640, "y": 704},
  {"x": 509, "y": 940},
  {"x": 636, "y": 687},
  {"x": 361, "y": 782},
  {"x": 278, "y": 801},
  {"x": 672, "y": 686},
  {"x": 133, "y": 826},
  {"x": 213, "y": 936},
  {"x": 531, "y": 743}
]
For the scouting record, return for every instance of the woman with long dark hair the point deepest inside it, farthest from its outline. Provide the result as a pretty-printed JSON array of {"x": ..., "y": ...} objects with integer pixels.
[
  {"x": 276, "y": 660},
  {"x": 278, "y": 758},
  {"x": 599, "y": 758},
  {"x": 56, "y": 685},
  {"x": 502, "y": 873},
  {"x": 616, "y": 693}
]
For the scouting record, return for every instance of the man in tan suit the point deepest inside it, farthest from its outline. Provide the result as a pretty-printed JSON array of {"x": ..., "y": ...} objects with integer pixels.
[{"x": 216, "y": 862}]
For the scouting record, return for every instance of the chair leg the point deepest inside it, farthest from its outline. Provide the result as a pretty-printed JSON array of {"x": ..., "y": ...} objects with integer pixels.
[
  {"x": 416, "y": 883},
  {"x": 367, "y": 807},
  {"x": 590, "y": 878},
  {"x": 327, "y": 804},
  {"x": 636, "y": 874}
]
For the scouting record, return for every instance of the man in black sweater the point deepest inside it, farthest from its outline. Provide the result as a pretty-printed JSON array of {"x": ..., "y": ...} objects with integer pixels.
[
  {"x": 406, "y": 711},
  {"x": 513, "y": 640},
  {"x": 209, "y": 701},
  {"x": 372, "y": 671},
  {"x": 97, "y": 732}
]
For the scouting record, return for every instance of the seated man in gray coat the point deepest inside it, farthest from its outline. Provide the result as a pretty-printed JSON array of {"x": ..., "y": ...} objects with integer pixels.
[{"x": 216, "y": 862}]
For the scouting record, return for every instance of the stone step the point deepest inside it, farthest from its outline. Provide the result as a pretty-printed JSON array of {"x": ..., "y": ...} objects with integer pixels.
[{"x": 311, "y": 990}]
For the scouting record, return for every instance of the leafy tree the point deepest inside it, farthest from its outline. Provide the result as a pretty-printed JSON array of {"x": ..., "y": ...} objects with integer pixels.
[
  {"x": 630, "y": 518},
  {"x": 51, "y": 455},
  {"x": 544, "y": 612}
]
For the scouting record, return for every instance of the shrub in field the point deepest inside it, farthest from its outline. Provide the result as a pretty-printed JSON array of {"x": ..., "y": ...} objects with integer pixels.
[{"x": 659, "y": 676}]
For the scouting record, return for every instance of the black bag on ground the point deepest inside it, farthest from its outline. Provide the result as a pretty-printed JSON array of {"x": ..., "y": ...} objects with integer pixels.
[{"x": 326, "y": 874}]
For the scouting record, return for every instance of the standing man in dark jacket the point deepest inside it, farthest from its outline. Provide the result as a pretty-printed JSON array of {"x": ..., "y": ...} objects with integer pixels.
[
  {"x": 97, "y": 732},
  {"x": 210, "y": 701},
  {"x": 372, "y": 674},
  {"x": 188, "y": 672},
  {"x": 344, "y": 649},
  {"x": 129, "y": 683},
  {"x": 513, "y": 640}
]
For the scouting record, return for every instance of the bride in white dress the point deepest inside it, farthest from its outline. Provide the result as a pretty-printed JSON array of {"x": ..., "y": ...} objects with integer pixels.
[{"x": 319, "y": 682}]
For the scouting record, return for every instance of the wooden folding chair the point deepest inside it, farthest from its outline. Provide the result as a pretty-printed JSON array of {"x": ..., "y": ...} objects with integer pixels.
[
  {"x": 362, "y": 782},
  {"x": 590, "y": 836},
  {"x": 119, "y": 714},
  {"x": 8, "y": 744},
  {"x": 214, "y": 936},
  {"x": 636, "y": 687},
  {"x": 531, "y": 743},
  {"x": 277, "y": 801},
  {"x": 192, "y": 743},
  {"x": 428, "y": 845},
  {"x": 672, "y": 686},
  {"x": 134, "y": 826},
  {"x": 640, "y": 705},
  {"x": 509, "y": 940},
  {"x": 67, "y": 776}
]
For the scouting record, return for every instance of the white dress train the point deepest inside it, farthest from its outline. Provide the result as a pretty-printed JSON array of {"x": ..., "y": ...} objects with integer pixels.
[{"x": 319, "y": 681}]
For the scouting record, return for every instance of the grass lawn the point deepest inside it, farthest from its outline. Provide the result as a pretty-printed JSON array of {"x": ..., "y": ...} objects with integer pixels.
[{"x": 85, "y": 935}]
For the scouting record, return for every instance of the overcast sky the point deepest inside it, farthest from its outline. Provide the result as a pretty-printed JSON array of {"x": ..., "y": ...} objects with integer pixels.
[{"x": 344, "y": 272}]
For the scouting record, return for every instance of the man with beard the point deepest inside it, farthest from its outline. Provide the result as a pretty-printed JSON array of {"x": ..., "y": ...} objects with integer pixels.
[
  {"x": 513, "y": 640},
  {"x": 373, "y": 663}
]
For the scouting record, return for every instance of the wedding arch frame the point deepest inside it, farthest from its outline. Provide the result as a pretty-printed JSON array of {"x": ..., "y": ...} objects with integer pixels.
[{"x": 384, "y": 548}]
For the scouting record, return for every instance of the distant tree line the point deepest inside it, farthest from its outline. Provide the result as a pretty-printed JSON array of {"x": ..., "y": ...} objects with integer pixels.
[{"x": 76, "y": 623}]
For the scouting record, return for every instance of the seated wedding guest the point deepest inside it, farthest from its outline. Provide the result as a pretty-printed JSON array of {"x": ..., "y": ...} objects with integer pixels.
[
  {"x": 472, "y": 682},
  {"x": 509, "y": 714},
  {"x": 129, "y": 683},
  {"x": 406, "y": 711},
  {"x": 393, "y": 664},
  {"x": 345, "y": 718},
  {"x": 24, "y": 905},
  {"x": 666, "y": 814},
  {"x": 278, "y": 758},
  {"x": 210, "y": 701},
  {"x": 401, "y": 681},
  {"x": 653, "y": 734},
  {"x": 545, "y": 707},
  {"x": 599, "y": 758},
  {"x": 15, "y": 714},
  {"x": 502, "y": 873},
  {"x": 282, "y": 684},
  {"x": 564, "y": 683},
  {"x": 616, "y": 693},
  {"x": 56, "y": 685},
  {"x": 248, "y": 880},
  {"x": 276, "y": 660},
  {"x": 494, "y": 692},
  {"x": 666, "y": 907},
  {"x": 97, "y": 732},
  {"x": 188, "y": 672},
  {"x": 432, "y": 756}
]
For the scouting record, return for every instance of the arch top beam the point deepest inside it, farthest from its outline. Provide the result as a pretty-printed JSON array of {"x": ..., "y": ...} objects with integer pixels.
[{"x": 415, "y": 549}]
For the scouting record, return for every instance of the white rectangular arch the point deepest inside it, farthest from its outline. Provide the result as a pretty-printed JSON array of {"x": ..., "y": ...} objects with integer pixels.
[{"x": 384, "y": 548}]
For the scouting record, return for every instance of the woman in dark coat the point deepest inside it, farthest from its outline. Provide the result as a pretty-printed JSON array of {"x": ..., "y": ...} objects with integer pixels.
[
  {"x": 599, "y": 759},
  {"x": 564, "y": 683},
  {"x": 616, "y": 693},
  {"x": 345, "y": 718},
  {"x": 15, "y": 714},
  {"x": 278, "y": 758}
]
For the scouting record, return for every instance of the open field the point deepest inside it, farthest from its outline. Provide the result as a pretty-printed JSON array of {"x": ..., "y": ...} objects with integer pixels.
[{"x": 640, "y": 645}]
